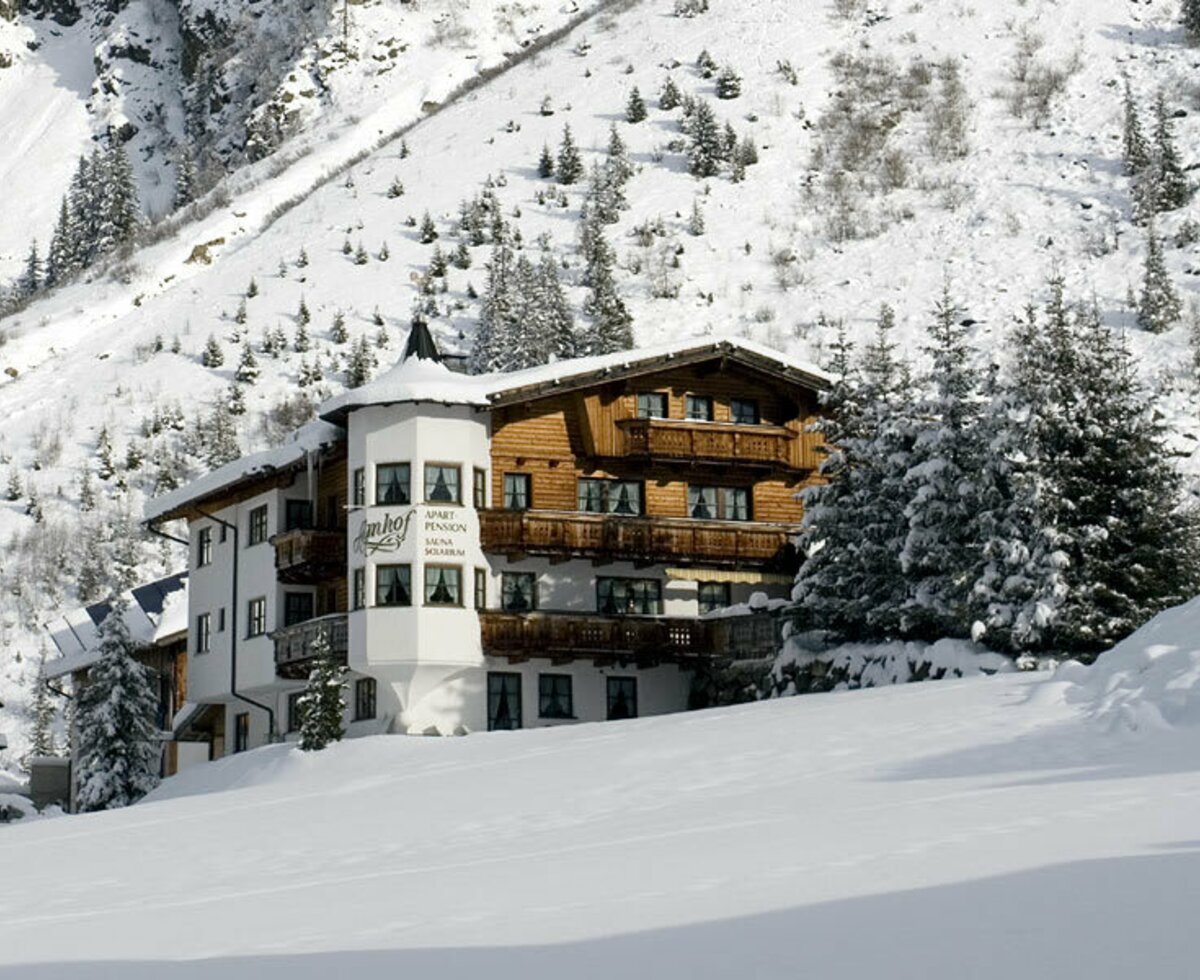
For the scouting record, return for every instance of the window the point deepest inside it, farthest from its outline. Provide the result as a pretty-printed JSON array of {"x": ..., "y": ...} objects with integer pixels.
[
  {"x": 479, "y": 488},
  {"x": 203, "y": 633},
  {"x": 393, "y": 585},
  {"x": 442, "y": 484},
  {"x": 258, "y": 525},
  {"x": 443, "y": 585},
  {"x": 504, "y": 701},
  {"x": 241, "y": 731},
  {"x": 297, "y": 607},
  {"x": 364, "y": 699},
  {"x": 743, "y": 411},
  {"x": 610, "y": 496},
  {"x": 629, "y": 596},
  {"x": 554, "y": 696},
  {"x": 719, "y": 503},
  {"x": 204, "y": 547},
  {"x": 713, "y": 595},
  {"x": 297, "y": 515},
  {"x": 516, "y": 491},
  {"x": 224, "y": 532},
  {"x": 359, "y": 498},
  {"x": 518, "y": 591},
  {"x": 652, "y": 405},
  {"x": 393, "y": 483},
  {"x": 480, "y": 589},
  {"x": 700, "y": 408},
  {"x": 359, "y": 598},
  {"x": 221, "y": 620},
  {"x": 294, "y": 718},
  {"x": 622, "y": 698},
  {"x": 256, "y": 617}
]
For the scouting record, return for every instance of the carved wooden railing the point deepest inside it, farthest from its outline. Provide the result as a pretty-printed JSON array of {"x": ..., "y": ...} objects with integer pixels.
[
  {"x": 295, "y": 646},
  {"x": 720, "y": 442},
  {"x": 304, "y": 556}
]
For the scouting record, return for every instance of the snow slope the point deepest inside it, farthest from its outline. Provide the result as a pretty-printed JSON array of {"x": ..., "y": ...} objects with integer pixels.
[
  {"x": 1022, "y": 203},
  {"x": 981, "y": 828}
]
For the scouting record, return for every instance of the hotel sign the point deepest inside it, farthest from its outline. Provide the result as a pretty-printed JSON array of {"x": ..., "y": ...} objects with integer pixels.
[
  {"x": 386, "y": 535},
  {"x": 445, "y": 533}
]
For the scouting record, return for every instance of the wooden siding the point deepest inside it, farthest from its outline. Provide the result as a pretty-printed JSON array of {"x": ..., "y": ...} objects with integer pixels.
[{"x": 562, "y": 437}]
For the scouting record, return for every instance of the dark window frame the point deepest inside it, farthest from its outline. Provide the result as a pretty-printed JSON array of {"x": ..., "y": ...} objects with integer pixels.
[
  {"x": 505, "y": 678},
  {"x": 752, "y": 403},
  {"x": 456, "y": 468},
  {"x": 720, "y": 503},
  {"x": 293, "y": 607},
  {"x": 480, "y": 592},
  {"x": 204, "y": 633},
  {"x": 548, "y": 698},
  {"x": 507, "y": 596},
  {"x": 404, "y": 487},
  {"x": 690, "y": 404},
  {"x": 204, "y": 547},
  {"x": 646, "y": 412},
  {"x": 708, "y": 604},
  {"x": 610, "y": 604},
  {"x": 256, "y": 624},
  {"x": 298, "y": 515},
  {"x": 439, "y": 567},
  {"x": 622, "y": 684},
  {"x": 479, "y": 487},
  {"x": 404, "y": 577},
  {"x": 514, "y": 500},
  {"x": 358, "y": 486},
  {"x": 609, "y": 496},
  {"x": 365, "y": 699},
  {"x": 358, "y": 588},
  {"x": 257, "y": 530},
  {"x": 241, "y": 731}
]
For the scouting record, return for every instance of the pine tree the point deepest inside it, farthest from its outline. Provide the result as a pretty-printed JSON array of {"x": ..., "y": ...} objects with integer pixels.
[
  {"x": 303, "y": 317},
  {"x": 235, "y": 400},
  {"x": 212, "y": 356},
  {"x": 31, "y": 278},
  {"x": 93, "y": 577},
  {"x": 302, "y": 342},
  {"x": 498, "y": 312},
  {"x": 360, "y": 255},
  {"x": 123, "y": 212},
  {"x": 546, "y": 162},
  {"x": 247, "y": 370},
  {"x": 1159, "y": 306},
  {"x": 706, "y": 63},
  {"x": 252, "y": 289},
  {"x": 323, "y": 703},
  {"x": 729, "y": 83},
  {"x": 360, "y": 364},
  {"x": 558, "y": 331},
  {"x": 696, "y": 221},
  {"x": 617, "y": 164},
  {"x": 569, "y": 166},
  {"x": 429, "y": 231},
  {"x": 302, "y": 258},
  {"x": 850, "y": 581},
  {"x": 239, "y": 316},
  {"x": 338, "y": 334},
  {"x": 119, "y": 750},
  {"x": 62, "y": 261},
  {"x": 41, "y": 741},
  {"x": 185, "y": 179},
  {"x": 635, "y": 106},
  {"x": 669, "y": 98},
  {"x": 611, "y": 328},
  {"x": 944, "y": 486},
  {"x": 106, "y": 467},
  {"x": 1135, "y": 150},
  {"x": 87, "y": 492},
  {"x": 12, "y": 490},
  {"x": 1171, "y": 185},
  {"x": 220, "y": 437},
  {"x": 706, "y": 149}
]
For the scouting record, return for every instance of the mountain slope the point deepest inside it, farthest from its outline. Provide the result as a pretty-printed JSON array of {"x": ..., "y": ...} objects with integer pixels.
[{"x": 802, "y": 235}]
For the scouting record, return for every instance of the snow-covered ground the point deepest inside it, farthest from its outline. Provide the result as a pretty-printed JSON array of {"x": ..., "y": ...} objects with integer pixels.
[{"x": 983, "y": 828}]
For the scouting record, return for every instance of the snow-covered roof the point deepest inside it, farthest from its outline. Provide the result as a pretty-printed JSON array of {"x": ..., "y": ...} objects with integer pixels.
[
  {"x": 420, "y": 380},
  {"x": 309, "y": 438},
  {"x": 154, "y": 612}
]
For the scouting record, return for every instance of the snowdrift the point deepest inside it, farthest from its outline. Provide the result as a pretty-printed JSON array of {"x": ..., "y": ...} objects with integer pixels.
[{"x": 1151, "y": 679}]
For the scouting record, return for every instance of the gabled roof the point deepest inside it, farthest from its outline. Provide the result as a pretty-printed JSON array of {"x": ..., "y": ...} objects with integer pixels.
[
  {"x": 156, "y": 611},
  {"x": 415, "y": 380}
]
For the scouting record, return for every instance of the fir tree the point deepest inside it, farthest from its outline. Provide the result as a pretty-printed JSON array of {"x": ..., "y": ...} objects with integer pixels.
[
  {"x": 220, "y": 437},
  {"x": 438, "y": 264},
  {"x": 429, "y": 231},
  {"x": 323, "y": 703},
  {"x": 338, "y": 333},
  {"x": 185, "y": 179},
  {"x": 31, "y": 278},
  {"x": 12, "y": 490},
  {"x": 302, "y": 343},
  {"x": 302, "y": 259},
  {"x": 87, "y": 491},
  {"x": 1171, "y": 185},
  {"x": 360, "y": 255},
  {"x": 729, "y": 83},
  {"x": 1159, "y": 306},
  {"x": 41, "y": 737},
  {"x": 92, "y": 580},
  {"x": 119, "y": 751},
  {"x": 696, "y": 221},
  {"x": 461, "y": 256},
  {"x": 611, "y": 328},
  {"x": 1135, "y": 150},
  {"x": 669, "y": 98},
  {"x": 546, "y": 162},
  {"x": 706, "y": 149},
  {"x": 235, "y": 400},
  {"x": 635, "y": 106},
  {"x": 212, "y": 356},
  {"x": 252, "y": 289},
  {"x": 303, "y": 317},
  {"x": 395, "y": 188},
  {"x": 569, "y": 165},
  {"x": 62, "y": 260},
  {"x": 498, "y": 312},
  {"x": 106, "y": 467},
  {"x": 360, "y": 364},
  {"x": 239, "y": 316},
  {"x": 247, "y": 370},
  {"x": 706, "y": 64},
  {"x": 617, "y": 164},
  {"x": 122, "y": 214}
]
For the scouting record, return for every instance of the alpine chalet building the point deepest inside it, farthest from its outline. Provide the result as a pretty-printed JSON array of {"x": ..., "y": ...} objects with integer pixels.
[{"x": 500, "y": 551}]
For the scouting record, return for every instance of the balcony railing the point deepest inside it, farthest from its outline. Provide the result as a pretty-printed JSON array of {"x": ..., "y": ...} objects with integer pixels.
[
  {"x": 716, "y": 442},
  {"x": 638, "y": 539},
  {"x": 304, "y": 556},
  {"x": 295, "y": 646},
  {"x": 572, "y": 635}
]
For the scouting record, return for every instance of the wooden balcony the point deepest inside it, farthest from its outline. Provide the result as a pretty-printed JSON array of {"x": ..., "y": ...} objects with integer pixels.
[
  {"x": 294, "y": 645},
  {"x": 771, "y": 446},
  {"x": 304, "y": 556},
  {"x": 647, "y": 639},
  {"x": 643, "y": 540}
]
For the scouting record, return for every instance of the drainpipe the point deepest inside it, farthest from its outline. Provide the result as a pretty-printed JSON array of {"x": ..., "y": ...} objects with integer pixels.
[{"x": 272, "y": 734}]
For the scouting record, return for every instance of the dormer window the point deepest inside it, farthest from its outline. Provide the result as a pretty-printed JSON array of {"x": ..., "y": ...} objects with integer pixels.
[
  {"x": 393, "y": 484},
  {"x": 442, "y": 484},
  {"x": 652, "y": 405},
  {"x": 743, "y": 411},
  {"x": 699, "y": 408}
]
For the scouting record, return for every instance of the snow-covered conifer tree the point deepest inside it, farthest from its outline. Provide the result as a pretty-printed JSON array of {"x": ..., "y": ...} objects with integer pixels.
[
  {"x": 669, "y": 98},
  {"x": 119, "y": 748},
  {"x": 1159, "y": 307},
  {"x": 569, "y": 165},
  {"x": 1135, "y": 151},
  {"x": 212, "y": 356},
  {"x": 706, "y": 148},
  {"x": 323, "y": 703},
  {"x": 635, "y": 106},
  {"x": 611, "y": 327},
  {"x": 247, "y": 370},
  {"x": 41, "y": 737},
  {"x": 1171, "y": 184}
]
